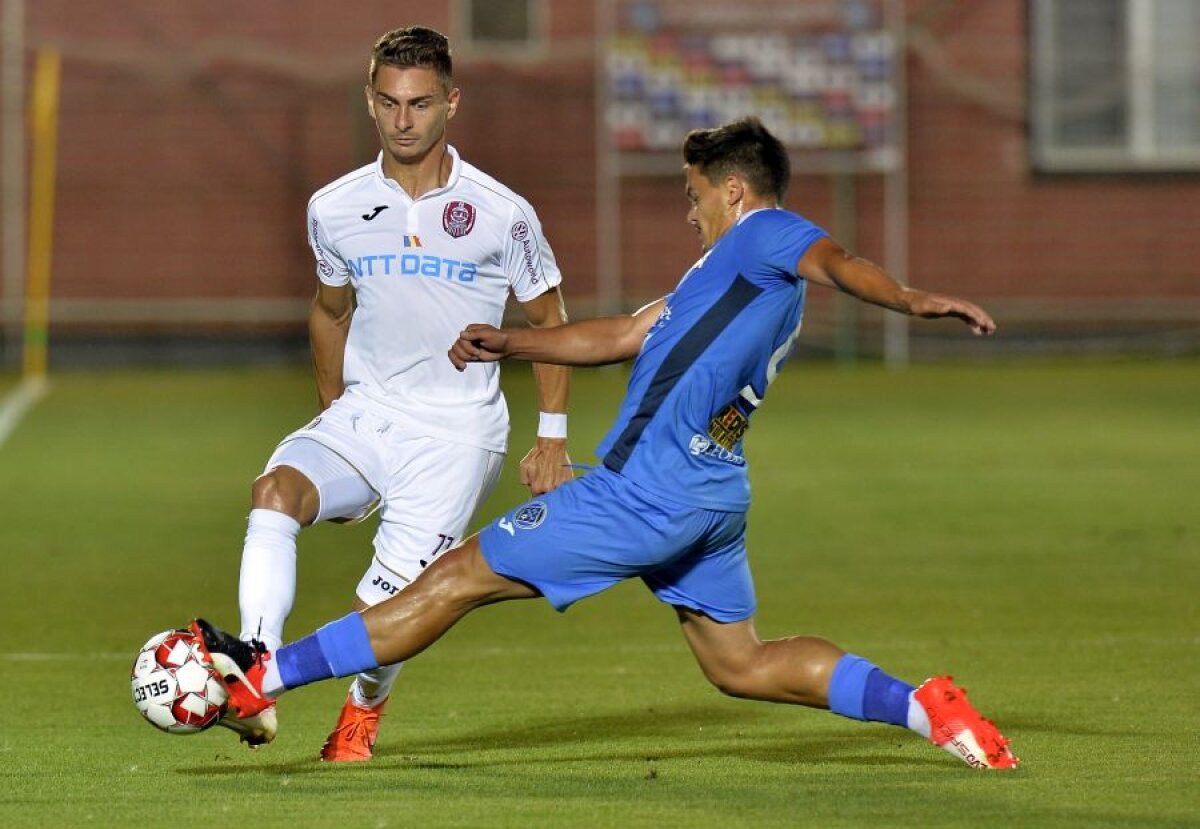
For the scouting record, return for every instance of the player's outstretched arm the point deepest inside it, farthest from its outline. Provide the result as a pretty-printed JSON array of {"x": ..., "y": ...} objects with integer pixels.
[
  {"x": 547, "y": 465},
  {"x": 594, "y": 342},
  {"x": 827, "y": 263}
]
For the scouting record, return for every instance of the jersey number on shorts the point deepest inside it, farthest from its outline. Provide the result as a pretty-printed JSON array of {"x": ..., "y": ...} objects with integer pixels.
[{"x": 445, "y": 542}]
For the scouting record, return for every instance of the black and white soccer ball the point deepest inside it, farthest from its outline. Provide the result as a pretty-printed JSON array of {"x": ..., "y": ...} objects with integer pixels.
[{"x": 175, "y": 686}]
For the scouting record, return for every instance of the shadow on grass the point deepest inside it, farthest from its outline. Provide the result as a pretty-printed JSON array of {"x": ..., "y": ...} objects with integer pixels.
[
  {"x": 1013, "y": 726},
  {"x": 590, "y": 739}
]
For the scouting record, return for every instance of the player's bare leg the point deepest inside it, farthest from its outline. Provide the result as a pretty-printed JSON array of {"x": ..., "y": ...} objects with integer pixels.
[
  {"x": 807, "y": 670},
  {"x": 456, "y": 583},
  {"x": 795, "y": 670},
  {"x": 392, "y": 631}
]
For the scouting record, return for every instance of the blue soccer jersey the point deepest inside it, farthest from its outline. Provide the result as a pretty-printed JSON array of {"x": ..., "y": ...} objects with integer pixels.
[{"x": 706, "y": 363}]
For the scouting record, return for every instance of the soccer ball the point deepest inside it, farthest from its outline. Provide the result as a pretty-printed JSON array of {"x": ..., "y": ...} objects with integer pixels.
[{"x": 175, "y": 686}]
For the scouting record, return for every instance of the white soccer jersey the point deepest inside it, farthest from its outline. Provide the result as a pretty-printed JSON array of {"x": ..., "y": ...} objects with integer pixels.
[{"x": 422, "y": 270}]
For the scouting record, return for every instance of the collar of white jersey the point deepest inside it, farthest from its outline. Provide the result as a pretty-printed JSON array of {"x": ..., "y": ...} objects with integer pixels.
[{"x": 455, "y": 172}]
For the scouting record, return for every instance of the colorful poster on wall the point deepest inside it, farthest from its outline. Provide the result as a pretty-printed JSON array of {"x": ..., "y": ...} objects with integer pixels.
[{"x": 821, "y": 75}]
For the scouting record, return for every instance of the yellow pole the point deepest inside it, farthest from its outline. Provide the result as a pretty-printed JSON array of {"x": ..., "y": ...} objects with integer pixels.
[{"x": 41, "y": 213}]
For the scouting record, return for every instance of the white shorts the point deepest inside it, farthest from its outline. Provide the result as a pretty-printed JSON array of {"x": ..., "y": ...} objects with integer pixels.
[{"x": 426, "y": 489}]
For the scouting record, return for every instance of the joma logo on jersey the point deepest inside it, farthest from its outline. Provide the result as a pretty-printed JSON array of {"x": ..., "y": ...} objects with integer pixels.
[{"x": 412, "y": 264}]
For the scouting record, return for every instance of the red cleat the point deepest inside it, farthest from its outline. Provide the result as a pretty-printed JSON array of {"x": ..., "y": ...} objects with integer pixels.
[
  {"x": 241, "y": 666},
  {"x": 958, "y": 728}
]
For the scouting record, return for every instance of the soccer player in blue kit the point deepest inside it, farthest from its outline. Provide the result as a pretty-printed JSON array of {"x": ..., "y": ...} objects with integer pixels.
[{"x": 669, "y": 502}]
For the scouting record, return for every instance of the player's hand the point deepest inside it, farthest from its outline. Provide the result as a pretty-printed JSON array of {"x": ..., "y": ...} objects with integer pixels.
[
  {"x": 932, "y": 306},
  {"x": 546, "y": 466},
  {"x": 478, "y": 343}
]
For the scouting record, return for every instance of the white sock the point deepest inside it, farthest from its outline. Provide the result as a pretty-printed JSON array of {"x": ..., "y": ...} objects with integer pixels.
[
  {"x": 272, "y": 684},
  {"x": 918, "y": 720},
  {"x": 267, "y": 585},
  {"x": 372, "y": 687}
]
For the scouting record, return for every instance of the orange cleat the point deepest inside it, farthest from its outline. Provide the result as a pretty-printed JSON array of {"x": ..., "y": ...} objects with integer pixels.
[
  {"x": 958, "y": 728},
  {"x": 353, "y": 738}
]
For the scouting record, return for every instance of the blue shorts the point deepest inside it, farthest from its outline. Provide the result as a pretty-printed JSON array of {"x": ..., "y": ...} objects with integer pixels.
[{"x": 600, "y": 529}]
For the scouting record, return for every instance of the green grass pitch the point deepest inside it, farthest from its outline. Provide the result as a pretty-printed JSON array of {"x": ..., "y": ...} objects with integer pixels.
[{"x": 1032, "y": 528}]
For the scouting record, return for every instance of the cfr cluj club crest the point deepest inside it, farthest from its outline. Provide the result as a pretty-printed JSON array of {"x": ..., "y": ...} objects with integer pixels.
[{"x": 458, "y": 218}]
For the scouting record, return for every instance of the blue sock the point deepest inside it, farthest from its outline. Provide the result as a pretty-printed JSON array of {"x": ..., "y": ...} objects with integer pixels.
[
  {"x": 340, "y": 648},
  {"x": 861, "y": 691}
]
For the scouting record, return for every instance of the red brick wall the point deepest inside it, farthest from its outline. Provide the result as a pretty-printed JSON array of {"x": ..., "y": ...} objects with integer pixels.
[
  {"x": 191, "y": 135},
  {"x": 982, "y": 222}
]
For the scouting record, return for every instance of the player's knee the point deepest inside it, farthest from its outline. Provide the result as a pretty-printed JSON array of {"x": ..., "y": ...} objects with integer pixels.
[
  {"x": 734, "y": 678},
  {"x": 794, "y": 670},
  {"x": 286, "y": 490},
  {"x": 734, "y": 685},
  {"x": 747, "y": 669}
]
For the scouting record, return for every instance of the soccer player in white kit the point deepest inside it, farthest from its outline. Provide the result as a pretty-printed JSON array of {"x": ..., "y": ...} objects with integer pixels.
[{"x": 409, "y": 250}]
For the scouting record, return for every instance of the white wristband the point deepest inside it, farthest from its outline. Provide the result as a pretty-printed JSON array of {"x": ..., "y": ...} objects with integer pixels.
[{"x": 552, "y": 425}]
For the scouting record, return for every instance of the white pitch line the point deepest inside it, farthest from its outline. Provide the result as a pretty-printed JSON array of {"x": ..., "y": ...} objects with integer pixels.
[{"x": 19, "y": 401}]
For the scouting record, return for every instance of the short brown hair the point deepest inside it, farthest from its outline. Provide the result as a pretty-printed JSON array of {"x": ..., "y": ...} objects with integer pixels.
[
  {"x": 414, "y": 46},
  {"x": 744, "y": 148}
]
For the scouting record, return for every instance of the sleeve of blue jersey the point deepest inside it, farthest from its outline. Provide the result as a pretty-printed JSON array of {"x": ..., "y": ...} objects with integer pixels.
[{"x": 787, "y": 240}]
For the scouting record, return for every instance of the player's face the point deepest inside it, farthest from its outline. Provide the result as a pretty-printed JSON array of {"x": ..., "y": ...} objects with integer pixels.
[
  {"x": 709, "y": 211},
  {"x": 410, "y": 110}
]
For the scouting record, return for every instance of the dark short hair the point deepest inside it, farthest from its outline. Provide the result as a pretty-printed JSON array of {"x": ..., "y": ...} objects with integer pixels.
[
  {"x": 414, "y": 46},
  {"x": 744, "y": 148}
]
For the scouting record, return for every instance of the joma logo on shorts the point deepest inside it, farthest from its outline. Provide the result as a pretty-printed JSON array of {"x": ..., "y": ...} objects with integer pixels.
[{"x": 386, "y": 586}]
